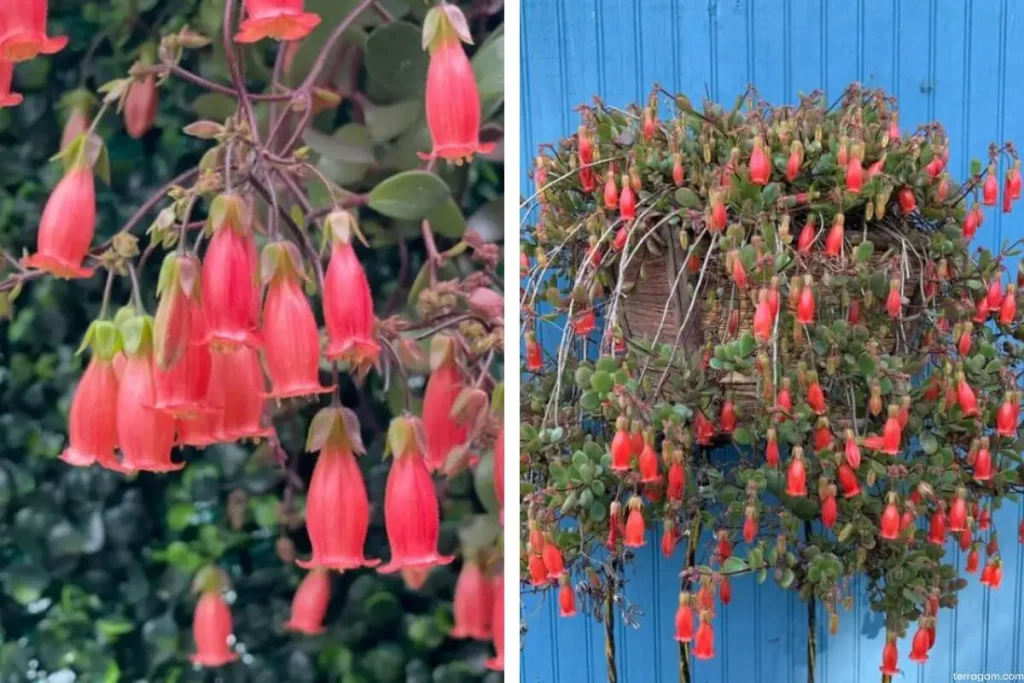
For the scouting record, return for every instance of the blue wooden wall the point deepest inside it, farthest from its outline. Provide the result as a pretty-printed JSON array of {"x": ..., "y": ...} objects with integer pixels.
[{"x": 956, "y": 61}]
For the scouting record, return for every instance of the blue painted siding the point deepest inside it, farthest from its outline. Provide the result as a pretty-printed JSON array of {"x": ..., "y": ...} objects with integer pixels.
[{"x": 957, "y": 61}]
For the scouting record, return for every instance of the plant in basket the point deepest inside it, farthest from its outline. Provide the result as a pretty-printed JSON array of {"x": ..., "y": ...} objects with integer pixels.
[{"x": 770, "y": 336}]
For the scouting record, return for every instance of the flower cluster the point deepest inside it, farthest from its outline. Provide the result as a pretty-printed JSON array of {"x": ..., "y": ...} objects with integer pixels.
[
  {"x": 235, "y": 333},
  {"x": 818, "y": 307}
]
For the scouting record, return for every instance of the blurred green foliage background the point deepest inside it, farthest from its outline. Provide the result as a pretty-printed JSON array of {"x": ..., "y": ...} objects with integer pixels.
[{"x": 95, "y": 567}]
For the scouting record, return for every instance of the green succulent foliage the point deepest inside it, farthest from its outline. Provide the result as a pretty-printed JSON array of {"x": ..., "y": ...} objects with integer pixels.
[
  {"x": 95, "y": 568},
  {"x": 573, "y": 407}
]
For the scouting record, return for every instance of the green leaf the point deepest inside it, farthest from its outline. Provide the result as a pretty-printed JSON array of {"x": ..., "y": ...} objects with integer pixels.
[
  {"x": 598, "y": 511},
  {"x": 345, "y": 156},
  {"x": 867, "y": 365},
  {"x": 743, "y": 436},
  {"x": 734, "y": 565},
  {"x": 863, "y": 252},
  {"x": 395, "y": 59},
  {"x": 687, "y": 198},
  {"x": 447, "y": 220},
  {"x": 113, "y": 627},
  {"x": 410, "y": 196},
  {"x": 601, "y": 382},
  {"x": 929, "y": 443},
  {"x": 489, "y": 66},
  {"x": 386, "y": 122},
  {"x": 590, "y": 400}
]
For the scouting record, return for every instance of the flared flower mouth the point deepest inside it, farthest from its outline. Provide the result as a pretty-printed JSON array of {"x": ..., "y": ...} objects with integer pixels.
[
  {"x": 308, "y": 628},
  {"x": 496, "y": 663},
  {"x": 186, "y": 411},
  {"x": 26, "y": 45},
  {"x": 57, "y": 267},
  {"x": 214, "y": 659},
  {"x": 338, "y": 562},
  {"x": 357, "y": 352},
  {"x": 225, "y": 341},
  {"x": 298, "y": 390},
  {"x": 420, "y": 562},
  {"x": 10, "y": 99},
  {"x": 157, "y": 467},
  {"x": 281, "y": 25},
  {"x": 251, "y": 432},
  {"x": 458, "y": 152},
  {"x": 78, "y": 458}
]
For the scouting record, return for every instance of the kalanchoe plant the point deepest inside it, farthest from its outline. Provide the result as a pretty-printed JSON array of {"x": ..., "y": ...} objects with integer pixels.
[
  {"x": 249, "y": 250},
  {"x": 798, "y": 282}
]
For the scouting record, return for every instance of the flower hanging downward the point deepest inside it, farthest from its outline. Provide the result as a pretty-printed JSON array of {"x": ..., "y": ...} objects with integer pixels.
[
  {"x": 444, "y": 432},
  {"x": 684, "y": 619},
  {"x": 23, "y": 31},
  {"x": 473, "y": 604},
  {"x": 141, "y": 103},
  {"x": 144, "y": 434},
  {"x": 348, "y": 302},
  {"x": 497, "y": 662},
  {"x": 277, "y": 19},
  {"x": 7, "y": 97},
  {"x": 310, "y": 603},
  {"x": 411, "y": 514},
  {"x": 566, "y": 598},
  {"x": 291, "y": 340},
  {"x": 68, "y": 224},
  {"x": 229, "y": 276},
  {"x": 890, "y": 658},
  {"x": 212, "y": 624},
  {"x": 92, "y": 424},
  {"x": 452, "y": 100},
  {"x": 337, "y": 505},
  {"x": 635, "y": 528}
]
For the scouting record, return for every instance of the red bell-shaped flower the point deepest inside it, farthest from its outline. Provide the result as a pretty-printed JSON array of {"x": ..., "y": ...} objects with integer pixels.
[
  {"x": 965, "y": 397},
  {"x": 760, "y": 167},
  {"x": 648, "y": 463},
  {"x": 538, "y": 571},
  {"x": 763, "y": 318},
  {"x": 635, "y": 527},
  {"x": 958, "y": 513},
  {"x": 230, "y": 277},
  {"x": 92, "y": 423},
  {"x": 452, "y": 98},
  {"x": 889, "y": 524},
  {"x": 183, "y": 390},
  {"x": 348, "y": 303},
  {"x": 7, "y": 97},
  {"x": 1006, "y": 418},
  {"x": 140, "y": 105},
  {"x": 829, "y": 509},
  {"x": 771, "y": 450},
  {"x": 937, "y": 528},
  {"x": 990, "y": 188},
  {"x": 920, "y": 645},
  {"x": 834, "y": 239},
  {"x": 848, "y": 481},
  {"x": 852, "y": 450},
  {"x": 983, "y": 462},
  {"x": 145, "y": 435},
  {"x": 676, "y": 481},
  {"x": 796, "y": 475},
  {"x": 67, "y": 226},
  {"x": 806, "y": 238},
  {"x": 703, "y": 429},
  {"x": 206, "y": 427},
  {"x": 310, "y": 603},
  {"x": 627, "y": 201},
  {"x": 727, "y": 418},
  {"x": 291, "y": 339},
  {"x": 277, "y": 19},
  {"x": 211, "y": 628},
  {"x": 566, "y": 598},
  {"x": 474, "y": 603},
  {"x": 805, "y": 305},
  {"x": 444, "y": 432},
  {"x": 243, "y": 395},
  {"x": 704, "y": 639},
  {"x": 497, "y": 663},
  {"x": 552, "y": 556},
  {"x": 337, "y": 505},
  {"x": 411, "y": 514},
  {"x": 890, "y": 659},
  {"x": 816, "y": 396},
  {"x": 750, "y": 526},
  {"x": 23, "y": 31},
  {"x": 971, "y": 565},
  {"x": 1008, "y": 306},
  {"x": 534, "y": 357},
  {"x": 684, "y": 619},
  {"x": 669, "y": 538}
]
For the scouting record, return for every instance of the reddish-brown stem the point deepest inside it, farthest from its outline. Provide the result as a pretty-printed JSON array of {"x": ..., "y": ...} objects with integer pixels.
[{"x": 196, "y": 79}]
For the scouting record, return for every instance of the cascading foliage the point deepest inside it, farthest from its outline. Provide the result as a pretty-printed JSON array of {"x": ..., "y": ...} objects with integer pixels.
[{"x": 829, "y": 372}]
